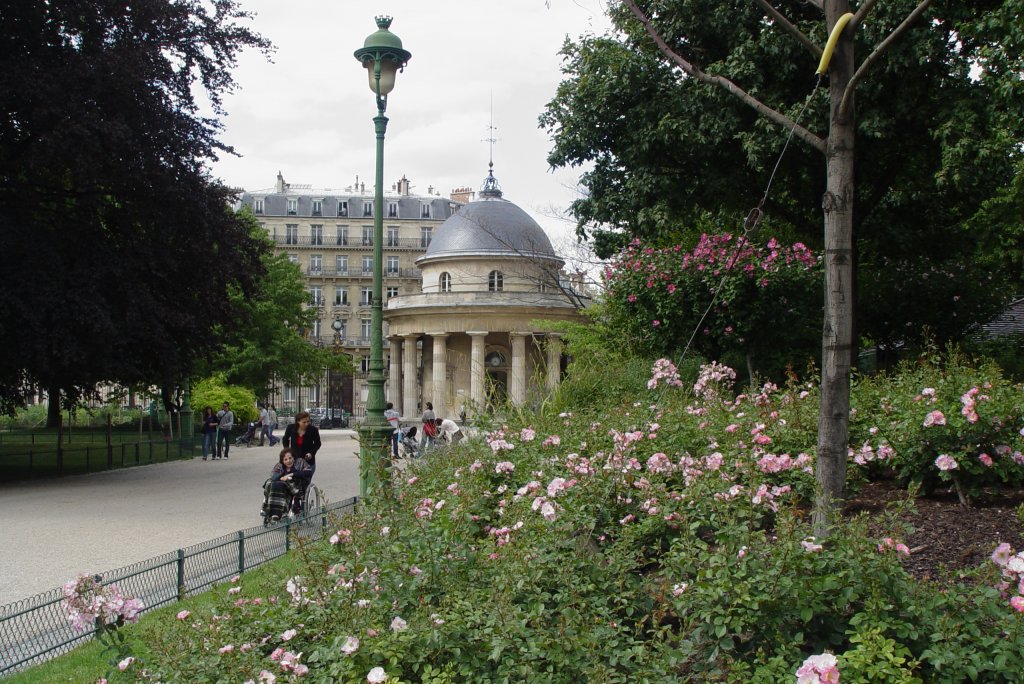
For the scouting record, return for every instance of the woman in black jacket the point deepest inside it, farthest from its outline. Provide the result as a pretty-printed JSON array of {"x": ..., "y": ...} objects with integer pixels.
[{"x": 302, "y": 438}]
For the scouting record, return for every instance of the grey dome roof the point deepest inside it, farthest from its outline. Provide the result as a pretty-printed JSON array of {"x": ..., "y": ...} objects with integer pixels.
[{"x": 491, "y": 226}]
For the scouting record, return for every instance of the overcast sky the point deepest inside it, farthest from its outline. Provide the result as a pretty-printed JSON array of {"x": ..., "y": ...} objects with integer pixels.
[{"x": 309, "y": 113}]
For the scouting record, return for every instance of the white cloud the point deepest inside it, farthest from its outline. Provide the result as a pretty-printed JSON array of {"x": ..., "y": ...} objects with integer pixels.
[{"x": 309, "y": 113}]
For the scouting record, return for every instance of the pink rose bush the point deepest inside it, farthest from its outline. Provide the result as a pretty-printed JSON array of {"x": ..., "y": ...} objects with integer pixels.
[
  {"x": 659, "y": 296},
  {"x": 943, "y": 422},
  {"x": 682, "y": 511}
]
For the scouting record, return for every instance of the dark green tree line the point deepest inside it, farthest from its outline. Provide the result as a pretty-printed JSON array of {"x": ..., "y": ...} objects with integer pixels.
[{"x": 121, "y": 249}]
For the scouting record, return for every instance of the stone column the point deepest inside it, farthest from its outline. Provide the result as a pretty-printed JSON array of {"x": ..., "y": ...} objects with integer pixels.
[
  {"x": 409, "y": 393},
  {"x": 554, "y": 361},
  {"x": 517, "y": 383},
  {"x": 395, "y": 371},
  {"x": 477, "y": 372},
  {"x": 440, "y": 380}
]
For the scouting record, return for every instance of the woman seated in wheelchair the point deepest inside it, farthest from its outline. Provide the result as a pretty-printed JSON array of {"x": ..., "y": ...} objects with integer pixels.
[{"x": 287, "y": 484}]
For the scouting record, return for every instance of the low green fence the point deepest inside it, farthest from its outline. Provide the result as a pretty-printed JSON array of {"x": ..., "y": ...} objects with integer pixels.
[
  {"x": 20, "y": 460},
  {"x": 36, "y": 629}
]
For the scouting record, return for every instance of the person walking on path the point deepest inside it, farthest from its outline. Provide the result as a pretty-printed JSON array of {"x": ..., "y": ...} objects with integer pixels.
[
  {"x": 225, "y": 423},
  {"x": 303, "y": 438},
  {"x": 267, "y": 425},
  {"x": 429, "y": 428},
  {"x": 209, "y": 432},
  {"x": 392, "y": 416}
]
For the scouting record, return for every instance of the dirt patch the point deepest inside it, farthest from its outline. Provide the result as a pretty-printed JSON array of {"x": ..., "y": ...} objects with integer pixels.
[{"x": 946, "y": 534}]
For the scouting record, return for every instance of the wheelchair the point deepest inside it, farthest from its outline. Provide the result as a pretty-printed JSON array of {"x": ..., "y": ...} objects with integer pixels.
[{"x": 279, "y": 505}]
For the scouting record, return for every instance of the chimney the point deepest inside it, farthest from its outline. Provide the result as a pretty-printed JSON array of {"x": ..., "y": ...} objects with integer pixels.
[
  {"x": 404, "y": 186},
  {"x": 463, "y": 195},
  {"x": 281, "y": 185}
]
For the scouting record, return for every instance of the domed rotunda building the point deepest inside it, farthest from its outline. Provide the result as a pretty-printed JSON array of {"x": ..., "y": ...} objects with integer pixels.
[{"x": 467, "y": 341}]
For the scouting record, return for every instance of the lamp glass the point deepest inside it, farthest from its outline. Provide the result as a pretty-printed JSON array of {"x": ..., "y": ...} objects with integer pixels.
[{"x": 388, "y": 69}]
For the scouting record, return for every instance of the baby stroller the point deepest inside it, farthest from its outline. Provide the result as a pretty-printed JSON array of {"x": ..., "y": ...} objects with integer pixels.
[
  {"x": 249, "y": 437},
  {"x": 407, "y": 438}
]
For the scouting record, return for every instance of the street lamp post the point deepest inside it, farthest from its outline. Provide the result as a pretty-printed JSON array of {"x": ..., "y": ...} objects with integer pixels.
[{"x": 383, "y": 57}]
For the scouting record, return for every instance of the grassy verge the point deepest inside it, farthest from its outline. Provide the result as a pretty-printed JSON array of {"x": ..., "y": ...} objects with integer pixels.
[{"x": 88, "y": 662}]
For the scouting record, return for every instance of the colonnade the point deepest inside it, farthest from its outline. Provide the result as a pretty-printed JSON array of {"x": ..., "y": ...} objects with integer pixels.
[{"x": 403, "y": 388}]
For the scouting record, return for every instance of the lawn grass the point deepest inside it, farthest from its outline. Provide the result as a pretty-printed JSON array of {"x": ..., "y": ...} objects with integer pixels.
[
  {"x": 88, "y": 662},
  {"x": 24, "y": 459}
]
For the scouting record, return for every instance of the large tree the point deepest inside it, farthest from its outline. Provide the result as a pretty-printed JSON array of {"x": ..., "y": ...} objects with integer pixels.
[
  {"x": 267, "y": 341},
  {"x": 939, "y": 120},
  {"x": 120, "y": 248},
  {"x": 688, "y": 106}
]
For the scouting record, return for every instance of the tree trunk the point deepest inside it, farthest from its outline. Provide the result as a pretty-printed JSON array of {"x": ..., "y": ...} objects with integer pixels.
[
  {"x": 837, "y": 331},
  {"x": 52, "y": 406}
]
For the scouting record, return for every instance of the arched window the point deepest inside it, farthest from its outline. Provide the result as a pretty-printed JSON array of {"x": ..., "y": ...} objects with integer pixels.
[
  {"x": 495, "y": 281},
  {"x": 446, "y": 282}
]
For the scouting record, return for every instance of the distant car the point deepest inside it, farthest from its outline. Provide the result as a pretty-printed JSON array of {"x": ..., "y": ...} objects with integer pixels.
[{"x": 317, "y": 416}]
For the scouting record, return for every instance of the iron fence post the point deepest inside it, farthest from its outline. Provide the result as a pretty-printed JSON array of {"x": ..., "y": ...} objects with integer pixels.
[
  {"x": 181, "y": 574},
  {"x": 241, "y": 552}
]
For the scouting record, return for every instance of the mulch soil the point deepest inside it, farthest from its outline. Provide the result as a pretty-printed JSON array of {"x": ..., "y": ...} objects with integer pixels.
[{"x": 946, "y": 536}]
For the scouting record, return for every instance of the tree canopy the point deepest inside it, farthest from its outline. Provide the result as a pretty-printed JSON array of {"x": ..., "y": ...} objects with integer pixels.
[
  {"x": 121, "y": 248},
  {"x": 940, "y": 120},
  {"x": 266, "y": 342}
]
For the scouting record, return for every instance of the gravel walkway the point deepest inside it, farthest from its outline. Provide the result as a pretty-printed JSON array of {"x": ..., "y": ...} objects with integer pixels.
[{"x": 54, "y": 529}]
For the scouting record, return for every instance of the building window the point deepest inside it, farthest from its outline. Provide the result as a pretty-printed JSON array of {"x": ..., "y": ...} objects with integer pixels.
[
  {"x": 367, "y": 235},
  {"x": 294, "y": 258},
  {"x": 316, "y": 264},
  {"x": 316, "y": 329},
  {"x": 291, "y": 234},
  {"x": 316, "y": 234},
  {"x": 341, "y": 296},
  {"x": 257, "y": 206},
  {"x": 365, "y": 296},
  {"x": 392, "y": 209},
  {"x": 342, "y": 235},
  {"x": 342, "y": 208},
  {"x": 341, "y": 263},
  {"x": 392, "y": 292},
  {"x": 367, "y": 208},
  {"x": 293, "y": 207},
  {"x": 392, "y": 266},
  {"x": 289, "y": 394},
  {"x": 364, "y": 364},
  {"x": 316, "y": 296},
  {"x": 364, "y": 328},
  {"x": 426, "y": 235},
  {"x": 367, "y": 265},
  {"x": 392, "y": 236},
  {"x": 495, "y": 281},
  {"x": 425, "y": 210},
  {"x": 318, "y": 208},
  {"x": 446, "y": 282}
]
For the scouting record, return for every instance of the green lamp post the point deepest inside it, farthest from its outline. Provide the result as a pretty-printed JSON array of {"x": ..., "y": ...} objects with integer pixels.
[{"x": 383, "y": 57}]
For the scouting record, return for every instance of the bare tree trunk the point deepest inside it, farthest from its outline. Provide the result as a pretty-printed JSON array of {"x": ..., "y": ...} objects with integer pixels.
[
  {"x": 52, "y": 406},
  {"x": 837, "y": 333}
]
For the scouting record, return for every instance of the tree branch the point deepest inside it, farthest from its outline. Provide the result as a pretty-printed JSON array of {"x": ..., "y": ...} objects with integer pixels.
[
  {"x": 727, "y": 85},
  {"x": 817, "y": 3},
  {"x": 862, "y": 12},
  {"x": 782, "y": 21},
  {"x": 878, "y": 52}
]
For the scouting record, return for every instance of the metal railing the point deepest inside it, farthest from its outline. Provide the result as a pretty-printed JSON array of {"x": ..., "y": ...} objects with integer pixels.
[
  {"x": 35, "y": 629},
  {"x": 48, "y": 460}
]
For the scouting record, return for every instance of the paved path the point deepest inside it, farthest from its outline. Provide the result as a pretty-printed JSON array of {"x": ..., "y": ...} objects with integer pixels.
[{"x": 54, "y": 529}]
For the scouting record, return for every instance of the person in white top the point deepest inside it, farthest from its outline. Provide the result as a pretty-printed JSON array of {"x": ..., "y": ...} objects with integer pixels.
[
  {"x": 450, "y": 431},
  {"x": 392, "y": 416},
  {"x": 267, "y": 422},
  {"x": 225, "y": 423}
]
